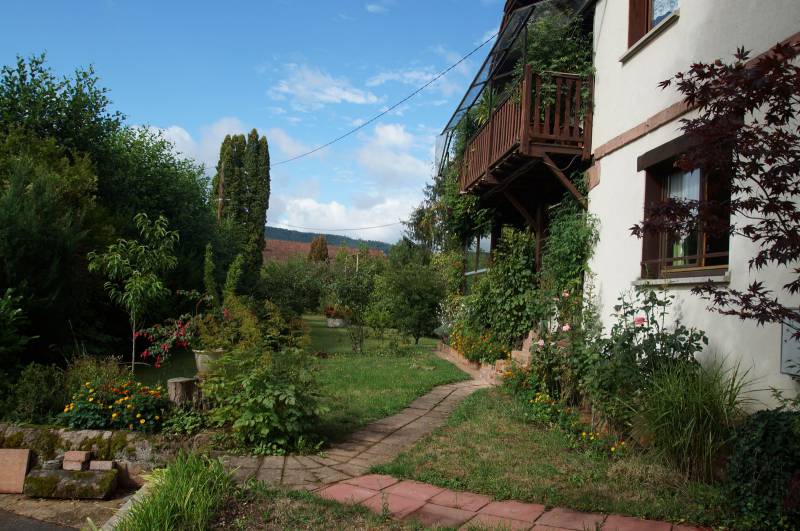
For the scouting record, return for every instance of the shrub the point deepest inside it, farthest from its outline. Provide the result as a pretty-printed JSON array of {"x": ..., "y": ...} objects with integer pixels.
[
  {"x": 639, "y": 343},
  {"x": 269, "y": 401},
  {"x": 12, "y": 319},
  {"x": 184, "y": 496},
  {"x": 688, "y": 413},
  {"x": 129, "y": 405},
  {"x": 85, "y": 368},
  {"x": 764, "y": 471},
  {"x": 295, "y": 285},
  {"x": 38, "y": 394},
  {"x": 184, "y": 421}
]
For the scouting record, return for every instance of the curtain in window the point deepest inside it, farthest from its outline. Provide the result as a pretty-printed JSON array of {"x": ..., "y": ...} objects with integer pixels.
[{"x": 662, "y": 9}]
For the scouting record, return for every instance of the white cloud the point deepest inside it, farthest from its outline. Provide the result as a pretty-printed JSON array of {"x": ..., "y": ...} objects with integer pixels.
[
  {"x": 375, "y": 8},
  {"x": 387, "y": 157},
  {"x": 333, "y": 215},
  {"x": 310, "y": 88},
  {"x": 417, "y": 77},
  {"x": 206, "y": 149},
  {"x": 288, "y": 145}
]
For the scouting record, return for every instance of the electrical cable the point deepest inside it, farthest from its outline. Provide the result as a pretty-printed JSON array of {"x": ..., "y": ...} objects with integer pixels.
[{"x": 390, "y": 109}]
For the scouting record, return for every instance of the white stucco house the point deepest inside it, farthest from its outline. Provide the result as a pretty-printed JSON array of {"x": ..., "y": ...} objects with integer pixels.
[
  {"x": 625, "y": 131},
  {"x": 637, "y": 134}
]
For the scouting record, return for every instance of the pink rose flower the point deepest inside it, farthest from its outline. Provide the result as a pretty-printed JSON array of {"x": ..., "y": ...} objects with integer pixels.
[
  {"x": 639, "y": 320},
  {"x": 565, "y": 294},
  {"x": 566, "y": 328},
  {"x": 540, "y": 343}
]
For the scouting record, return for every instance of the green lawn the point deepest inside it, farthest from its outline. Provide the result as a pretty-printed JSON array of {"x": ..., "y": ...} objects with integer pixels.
[
  {"x": 357, "y": 388},
  {"x": 361, "y": 388},
  {"x": 488, "y": 447}
]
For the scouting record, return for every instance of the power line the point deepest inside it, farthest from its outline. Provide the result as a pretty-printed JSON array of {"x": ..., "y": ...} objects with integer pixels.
[
  {"x": 390, "y": 109},
  {"x": 338, "y": 230}
]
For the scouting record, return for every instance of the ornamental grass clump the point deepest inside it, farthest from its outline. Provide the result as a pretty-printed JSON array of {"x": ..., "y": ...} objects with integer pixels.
[
  {"x": 688, "y": 413},
  {"x": 185, "y": 495}
]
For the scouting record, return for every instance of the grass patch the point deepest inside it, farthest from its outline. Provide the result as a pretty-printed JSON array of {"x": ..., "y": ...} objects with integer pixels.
[
  {"x": 257, "y": 506},
  {"x": 337, "y": 340},
  {"x": 185, "y": 495},
  {"x": 487, "y": 447}
]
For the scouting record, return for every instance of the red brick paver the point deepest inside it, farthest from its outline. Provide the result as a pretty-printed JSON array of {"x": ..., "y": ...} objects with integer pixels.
[
  {"x": 487, "y": 521},
  {"x": 527, "y": 512},
  {"x": 415, "y": 489},
  {"x": 398, "y": 506},
  {"x": 344, "y": 493},
  {"x": 569, "y": 519},
  {"x": 435, "y": 515},
  {"x": 626, "y": 523},
  {"x": 372, "y": 481},
  {"x": 461, "y": 500}
]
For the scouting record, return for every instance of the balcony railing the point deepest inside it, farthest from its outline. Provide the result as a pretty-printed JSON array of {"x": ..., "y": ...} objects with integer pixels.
[{"x": 550, "y": 112}]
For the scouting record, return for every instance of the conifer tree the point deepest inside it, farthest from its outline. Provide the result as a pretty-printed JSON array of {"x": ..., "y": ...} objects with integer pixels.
[
  {"x": 319, "y": 249},
  {"x": 240, "y": 191}
]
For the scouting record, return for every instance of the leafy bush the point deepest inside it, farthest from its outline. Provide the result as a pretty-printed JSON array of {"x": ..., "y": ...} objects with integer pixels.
[
  {"x": 184, "y": 421},
  {"x": 38, "y": 394},
  {"x": 639, "y": 343},
  {"x": 351, "y": 288},
  {"x": 184, "y": 496},
  {"x": 764, "y": 471},
  {"x": 295, "y": 285},
  {"x": 498, "y": 312},
  {"x": 129, "y": 405},
  {"x": 688, "y": 414},
  {"x": 86, "y": 368},
  {"x": 12, "y": 341},
  {"x": 269, "y": 401}
]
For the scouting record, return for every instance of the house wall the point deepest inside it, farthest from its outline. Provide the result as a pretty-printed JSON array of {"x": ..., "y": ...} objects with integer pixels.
[{"x": 627, "y": 96}]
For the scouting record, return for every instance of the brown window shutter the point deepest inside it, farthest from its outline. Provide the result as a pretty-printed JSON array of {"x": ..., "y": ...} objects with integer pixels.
[
  {"x": 637, "y": 20},
  {"x": 651, "y": 242}
]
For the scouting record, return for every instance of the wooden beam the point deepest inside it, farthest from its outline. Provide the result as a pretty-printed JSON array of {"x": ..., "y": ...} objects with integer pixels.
[
  {"x": 564, "y": 179},
  {"x": 521, "y": 209},
  {"x": 519, "y": 172}
]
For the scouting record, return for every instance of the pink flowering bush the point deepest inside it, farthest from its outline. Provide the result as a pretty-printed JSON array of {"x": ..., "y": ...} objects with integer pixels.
[{"x": 165, "y": 339}]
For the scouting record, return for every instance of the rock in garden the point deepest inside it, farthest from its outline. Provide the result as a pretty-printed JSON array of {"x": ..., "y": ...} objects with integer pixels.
[
  {"x": 102, "y": 465},
  {"x": 77, "y": 455},
  {"x": 72, "y": 485},
  {"x": 53, "y": 464}
]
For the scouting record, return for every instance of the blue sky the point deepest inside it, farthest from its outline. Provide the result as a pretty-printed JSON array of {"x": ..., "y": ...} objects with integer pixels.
[{"x": 301, "y": 72}]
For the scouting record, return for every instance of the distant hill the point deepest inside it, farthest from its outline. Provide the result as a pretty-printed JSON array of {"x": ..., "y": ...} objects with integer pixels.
[{"x": 276, "y": 233}]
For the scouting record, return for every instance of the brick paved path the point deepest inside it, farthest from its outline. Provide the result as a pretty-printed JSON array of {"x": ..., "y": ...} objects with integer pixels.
[
  {"x": 435, "y": 506},
  {"x": 375, "y": 444},
  {"x": 339, "y": 474}
]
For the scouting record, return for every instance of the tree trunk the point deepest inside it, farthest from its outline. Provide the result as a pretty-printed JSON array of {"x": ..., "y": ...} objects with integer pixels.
[
  {"x": 133, "y": 344},
  {"x": 184, "y": 391}
]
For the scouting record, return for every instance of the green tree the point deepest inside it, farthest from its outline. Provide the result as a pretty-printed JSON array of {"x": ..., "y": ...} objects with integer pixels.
[
  {"x": 411, "y": 289},
  {"x": 134, "y": 269},
  {"x": 319, "y": 249},
  {"x": 240, "y": 190}
]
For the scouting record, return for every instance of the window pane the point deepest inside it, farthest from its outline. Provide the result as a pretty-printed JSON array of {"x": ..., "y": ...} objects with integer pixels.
[
  {"x": 661, "y": 9},
  {"x": 686, "y": 186}
]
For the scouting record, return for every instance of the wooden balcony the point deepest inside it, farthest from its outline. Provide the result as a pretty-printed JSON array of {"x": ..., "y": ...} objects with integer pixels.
[{"x": 550, "y": 114}]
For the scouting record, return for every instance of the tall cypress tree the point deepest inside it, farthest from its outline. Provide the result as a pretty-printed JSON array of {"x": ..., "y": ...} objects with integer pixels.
[{"x": 241, "y": 193}]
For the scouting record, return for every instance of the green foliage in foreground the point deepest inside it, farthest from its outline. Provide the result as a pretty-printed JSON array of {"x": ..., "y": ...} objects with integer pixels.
[
  {"x": 688, "y": 413},
  {"x": 489, "y": 446},
  {"x": 764, "y": 468},
  {"x": 184, "y": 496}
]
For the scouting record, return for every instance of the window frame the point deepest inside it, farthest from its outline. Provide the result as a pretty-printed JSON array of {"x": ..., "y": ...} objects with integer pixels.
[
  {"x": 640, "y": 22},
  {"x": 655, "y": 263}
]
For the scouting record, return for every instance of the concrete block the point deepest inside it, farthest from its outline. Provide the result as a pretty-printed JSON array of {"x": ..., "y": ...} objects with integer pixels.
[
  {"x": 75, "y": 465},
  {"x": 14, "y": 465}
]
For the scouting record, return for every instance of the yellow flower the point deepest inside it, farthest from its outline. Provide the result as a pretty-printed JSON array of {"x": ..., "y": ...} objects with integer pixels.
[
  {"x": 613, "y": 448},
  {"x": 91, "y": 390},
  {"x": 114, "y": 415},
  {"x": 141, "y": 421},
  {"x": 91, "y": 399},
  {"x": 138, "y": 415},
  {"x": 86, "y": 384},
  {"x": 583, "y": 434},
  {"x": 66, "y": 409},
  {"x": 622, "y": 443},
  {"x": 129, "y": 406},
  {"x": 158, "y": 418}
]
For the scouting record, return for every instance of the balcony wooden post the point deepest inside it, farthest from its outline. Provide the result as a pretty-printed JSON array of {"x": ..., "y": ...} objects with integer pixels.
[
  {"x": 587, "y": 122},
  {"x": 525, "y": 99}
]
